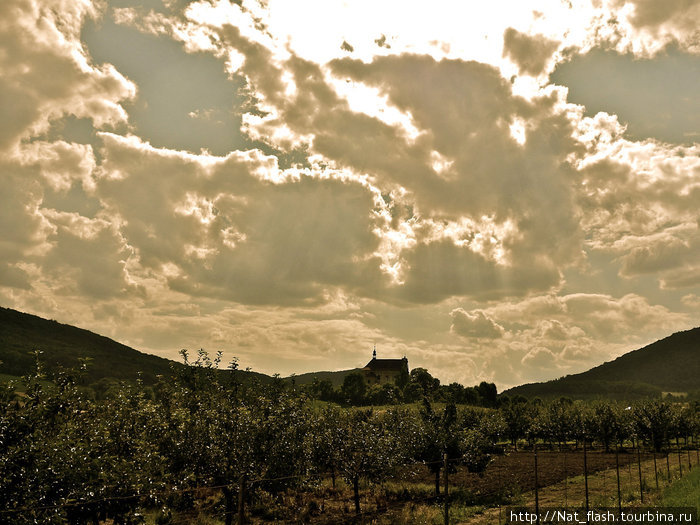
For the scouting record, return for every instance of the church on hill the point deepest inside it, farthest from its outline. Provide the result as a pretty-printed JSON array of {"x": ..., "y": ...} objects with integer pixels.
[{"x": 381, "y": 371}]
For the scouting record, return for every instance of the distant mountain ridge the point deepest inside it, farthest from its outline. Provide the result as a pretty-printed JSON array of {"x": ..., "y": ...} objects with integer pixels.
[
  {"x": 65, "y": 345},
  {"x": 671, "y": 364},
  {"x": 336, "y": 378}
]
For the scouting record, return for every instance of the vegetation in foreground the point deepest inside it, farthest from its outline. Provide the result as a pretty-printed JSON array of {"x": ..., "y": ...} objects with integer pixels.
[
  {"x": 684, "y": 492},
  {"x": 186, "y": 446}
]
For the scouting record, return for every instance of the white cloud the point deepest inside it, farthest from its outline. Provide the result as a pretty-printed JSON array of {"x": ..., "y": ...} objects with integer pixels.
[
  {"x": 234, "y": 228},
  {"x": 647, "y": 26},
  {"x": 46, "y": 72},
  {"x": 474, "y": 324}
]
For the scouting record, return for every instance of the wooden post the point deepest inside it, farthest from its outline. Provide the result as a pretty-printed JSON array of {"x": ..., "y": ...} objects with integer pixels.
[
  {"x": 241, "y": 500},
  {"x": 566, "y": 484},
  {"x": 446, "y": 491},
  {"x": 617, "y": 469},
  {"x": 656, "y": 471},
  {"x": 356, "y": 492},
  {"x": 585, "y": 472},
  {"x": 653, "y": 450},
  {"x": 639, "y": 467},
  {"x": 537, "y": 488},
  {"x": 228, "y": 500}
]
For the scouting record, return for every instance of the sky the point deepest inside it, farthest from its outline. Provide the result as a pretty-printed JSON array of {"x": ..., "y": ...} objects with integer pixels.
[{"x": 504, "y": 191}]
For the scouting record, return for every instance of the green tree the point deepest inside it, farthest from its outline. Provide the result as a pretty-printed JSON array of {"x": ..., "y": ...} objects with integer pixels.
[
  {"x": 440, "y": 435},
  {"x": 354, "y": 388},
  {"x": 368, "y": 450},
  {"x": 517, "y": 421},
  {"x": 428, "y": 384}
]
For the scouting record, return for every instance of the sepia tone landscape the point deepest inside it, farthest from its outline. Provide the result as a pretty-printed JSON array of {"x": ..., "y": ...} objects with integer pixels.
[{"x": 319, "y": 261}]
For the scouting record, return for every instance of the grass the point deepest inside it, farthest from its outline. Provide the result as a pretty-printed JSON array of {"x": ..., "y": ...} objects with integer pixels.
[{"x": 684, "y": 492}]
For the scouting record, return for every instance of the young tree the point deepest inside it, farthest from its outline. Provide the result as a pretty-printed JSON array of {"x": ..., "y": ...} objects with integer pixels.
[
  {"x": 517, "y": 421},
  {"x": 368, "y": 450},
  {"x": 440, "y": 435},
  {"x": 608, "y": 423}
]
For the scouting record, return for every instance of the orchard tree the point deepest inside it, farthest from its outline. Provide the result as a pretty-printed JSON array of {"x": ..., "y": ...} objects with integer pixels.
[
  {"x": 652, "y": 421},
  {"x": 368, "y": 450},
  {"x": 516, "y": 416},
  {"x": 440, "y": 435},
  {"x": 609, "y": 423},
  {"x": 324, "y": 441},
  {"x": 475, "y": 446}
]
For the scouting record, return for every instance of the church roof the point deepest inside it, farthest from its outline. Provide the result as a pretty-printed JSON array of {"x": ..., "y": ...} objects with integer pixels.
[{"x": 386, "y": 364}]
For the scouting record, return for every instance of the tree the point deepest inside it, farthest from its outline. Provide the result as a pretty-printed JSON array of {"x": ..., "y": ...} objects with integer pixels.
[
  {"x": 608, "y": 424},
  {"x": 652, "y": 422},
  {"x": 385, "y": 394},
  {"x": 474, "y": 445},
  {"x": 322, "y": 389},
  {"x": 368, "y": 450},
  {"x": 324, "y": 441},
  {"x": 439, "y": 436},
  {"x": 427, "y": 382},
  {"x": 517, "y": 421},
  {"x": 488, "y": 394},
  {"x": 354, "y": 388}
]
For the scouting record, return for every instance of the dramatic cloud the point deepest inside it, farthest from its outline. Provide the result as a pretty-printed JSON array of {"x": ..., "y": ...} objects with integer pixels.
[
  {"x": 530, "y": 53},
  {"x": 474, "y": 324},
  {"x": 46, "y": 72},
  {"x": 293, "y": 183}
]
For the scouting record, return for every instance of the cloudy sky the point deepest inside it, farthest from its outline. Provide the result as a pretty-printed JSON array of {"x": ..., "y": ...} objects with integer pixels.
[{"x": 505, "y": 191}]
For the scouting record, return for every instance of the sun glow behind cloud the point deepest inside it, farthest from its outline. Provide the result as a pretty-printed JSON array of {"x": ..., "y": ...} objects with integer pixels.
[{"x": 402, "y": 174}]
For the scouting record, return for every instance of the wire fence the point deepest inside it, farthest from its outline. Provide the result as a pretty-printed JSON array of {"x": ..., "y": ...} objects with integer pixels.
[{"x": 566, "y": 477}]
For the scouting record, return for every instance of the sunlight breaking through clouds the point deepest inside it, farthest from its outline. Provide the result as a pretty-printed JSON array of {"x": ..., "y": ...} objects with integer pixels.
[{"x": 293, "y": 182}]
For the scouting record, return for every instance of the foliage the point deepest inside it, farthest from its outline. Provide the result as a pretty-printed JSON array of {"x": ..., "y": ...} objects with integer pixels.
[{"x": 69, "y": 457}]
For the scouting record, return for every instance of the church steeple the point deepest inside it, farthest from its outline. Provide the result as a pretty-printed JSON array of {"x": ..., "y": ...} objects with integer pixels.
[{"x": 374, "y": 354}]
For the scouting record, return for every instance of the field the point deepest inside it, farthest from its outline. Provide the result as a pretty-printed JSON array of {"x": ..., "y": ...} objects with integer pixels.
[{"x": 409, "y": 495}]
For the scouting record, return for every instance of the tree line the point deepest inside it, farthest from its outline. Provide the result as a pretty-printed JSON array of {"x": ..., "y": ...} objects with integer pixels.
[{"x": 407, "y": 388}]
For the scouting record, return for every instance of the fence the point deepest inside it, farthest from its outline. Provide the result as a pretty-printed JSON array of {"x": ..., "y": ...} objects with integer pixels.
[{"x": 581, "y": 478}]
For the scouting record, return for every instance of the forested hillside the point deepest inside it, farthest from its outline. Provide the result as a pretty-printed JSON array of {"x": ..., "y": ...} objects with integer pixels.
[
  {"x": 63, "y": 346},
  {"x": 671, "y": 364}
]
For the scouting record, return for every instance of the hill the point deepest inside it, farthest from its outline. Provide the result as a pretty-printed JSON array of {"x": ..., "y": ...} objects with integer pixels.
[
  {"x": 336, "y": 378},
  {"x": 64, "y": 345},
  {"x": 671, "y": 364}
]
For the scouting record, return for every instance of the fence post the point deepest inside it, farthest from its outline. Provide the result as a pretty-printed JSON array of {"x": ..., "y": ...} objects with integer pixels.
[
  {"x": 566, "y": 484},
  {"x": 446, "y": 491},
  {"x": 639, "y": 467},
  {"x": 617, "y": 469},
  {"x": 656, "y": 471},
  {"x": 537, "y": 488},
  {"x": 241, "y": 500},
  {"x": 585, "y": 471}
]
